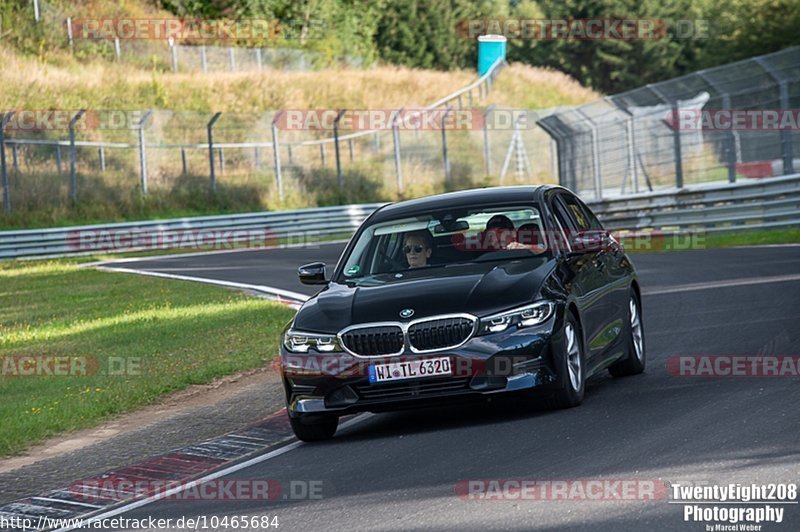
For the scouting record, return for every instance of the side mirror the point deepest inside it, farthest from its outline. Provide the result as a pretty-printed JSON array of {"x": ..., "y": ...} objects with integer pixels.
[
  {"x": 313, "y": 273},
  {"x": 588, "y": 241}
]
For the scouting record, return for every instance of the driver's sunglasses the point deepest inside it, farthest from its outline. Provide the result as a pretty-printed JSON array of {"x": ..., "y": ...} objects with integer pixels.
[{"x": 417, "y": 249}]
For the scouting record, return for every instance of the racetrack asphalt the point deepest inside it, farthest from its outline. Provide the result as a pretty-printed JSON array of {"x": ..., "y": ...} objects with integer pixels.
[{"x": 399, "y": 471}]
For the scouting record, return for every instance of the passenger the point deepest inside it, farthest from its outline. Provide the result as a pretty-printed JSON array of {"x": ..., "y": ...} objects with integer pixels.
[{"x": 418, "y": 247}]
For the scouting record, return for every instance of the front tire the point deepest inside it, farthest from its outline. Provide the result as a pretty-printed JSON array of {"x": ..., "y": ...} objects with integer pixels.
[
  {"x": 314, "y": 428},
  {"x": 635, "y": 362},
  {"x": 573, "y": 368}
]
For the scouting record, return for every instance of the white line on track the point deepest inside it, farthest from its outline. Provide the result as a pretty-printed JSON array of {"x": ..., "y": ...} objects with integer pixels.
[
  {"x": 721, "y": 284},
  {"x": 277, "y": 293},
  {"x": 215, "y": 475}
]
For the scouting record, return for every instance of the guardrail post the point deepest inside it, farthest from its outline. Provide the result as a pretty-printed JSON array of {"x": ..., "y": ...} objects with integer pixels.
[
  {"x": 487, "y": 152},
  {"x": 212, "y": 176},
  {"x": 101, "y": 156},
  {"x": 676, "y": 136},
  {"x": 339, "y": 178},
  {"x": 203, "y": 59},
  {"x": 4, "y": 118},
  {"x": 396, "y": 142},
  {"x": 117, "y": 50},
  {"x": 73, "y": 180},
  {"x": 143, "y": 153},
  {"x": 445, "y": 159},
  {"x": 276, "y": 154}
]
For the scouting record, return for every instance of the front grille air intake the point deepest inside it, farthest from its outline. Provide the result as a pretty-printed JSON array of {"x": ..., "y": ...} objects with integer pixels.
[
  {"x": 374, "y": 341},
  {"x": 440, "y": 333}
]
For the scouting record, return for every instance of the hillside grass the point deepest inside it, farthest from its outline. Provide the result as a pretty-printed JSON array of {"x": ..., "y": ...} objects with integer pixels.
[{"x": 138, "y": 338}]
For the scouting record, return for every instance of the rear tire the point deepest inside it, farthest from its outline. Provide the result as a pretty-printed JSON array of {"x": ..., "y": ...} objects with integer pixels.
[
  {"x": 635, "y": 362},
  {"x": 573, "y": 368},
  {"x": 316, "y": 428}
]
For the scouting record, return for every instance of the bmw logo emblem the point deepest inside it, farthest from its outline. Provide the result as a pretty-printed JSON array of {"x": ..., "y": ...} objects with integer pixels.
[{"x": 406, "y": 312}]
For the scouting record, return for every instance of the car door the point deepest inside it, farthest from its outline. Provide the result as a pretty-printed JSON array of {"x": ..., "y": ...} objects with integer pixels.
[{"x": 592, "y": 288}]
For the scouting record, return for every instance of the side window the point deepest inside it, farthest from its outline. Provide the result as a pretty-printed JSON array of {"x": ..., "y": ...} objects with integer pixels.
[
  {"x": 594, "y": 223},
  {"x": 576, "y": 212},
  {"x": 563, "y": 214}
]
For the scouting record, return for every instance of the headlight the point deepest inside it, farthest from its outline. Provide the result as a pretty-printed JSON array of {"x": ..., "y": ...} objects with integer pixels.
[
  {"x": 526, "y": 316},
  {"x": 301, "y": 342}
]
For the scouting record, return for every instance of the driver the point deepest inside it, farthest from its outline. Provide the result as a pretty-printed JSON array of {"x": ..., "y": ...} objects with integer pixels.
[{"x": 417, "y": 247}]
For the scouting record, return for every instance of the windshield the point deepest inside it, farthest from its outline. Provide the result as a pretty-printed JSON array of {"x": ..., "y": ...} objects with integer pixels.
[{"x": 444, "y": 239}]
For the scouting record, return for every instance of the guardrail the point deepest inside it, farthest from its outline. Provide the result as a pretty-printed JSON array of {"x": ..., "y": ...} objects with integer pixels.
[
  {"x": 266, "y": 227},
  {"x": 762, "y": 204}
]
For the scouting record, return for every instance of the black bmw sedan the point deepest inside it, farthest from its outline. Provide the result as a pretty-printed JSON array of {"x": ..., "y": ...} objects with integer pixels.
[{"x": 462, "y": 295}]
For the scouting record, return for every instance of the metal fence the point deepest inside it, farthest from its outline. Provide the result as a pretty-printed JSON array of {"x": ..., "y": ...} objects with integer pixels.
[
  {"x": 167, "y": 55},
  {"x": 129, "y": 154},
  {"x": 635, "y": 141}
]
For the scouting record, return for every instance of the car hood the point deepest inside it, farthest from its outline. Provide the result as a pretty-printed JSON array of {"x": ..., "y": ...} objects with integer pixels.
[{"x": 480, "y": 289}]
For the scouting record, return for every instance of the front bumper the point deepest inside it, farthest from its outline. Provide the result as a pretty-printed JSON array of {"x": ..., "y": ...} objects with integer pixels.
[{"x": 505, "y": 362}]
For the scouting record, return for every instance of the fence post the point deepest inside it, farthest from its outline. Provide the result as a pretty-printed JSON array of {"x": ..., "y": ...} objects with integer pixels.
[
  {"x": 183, "y": 161},
  {"x": 211, "y": 151},
  {"x": 203, "y": 59},
  {"x": 15, "y": 157},
  {"x": 276, "y": 154},
  {"x": 4, "y": 118},
  {"x": 233, "y": 59},
  {"x": 396, "y": 141},
  {"x": 598, "y": 177},
  {"x": 101, "y": 155},
  {"x": 676, "y": 136},
  {"x": 350, "y": 146},
  {"x": 322, "y": 153},
  {"x": 731, "y": 142},
  {"x": 69, "y": 35},
  {"x": 58, "y": 158},
  {"x": 221, "y": 161},
  {"x": 444, "y": 146},
  {"x": 73, "y": 180},
  {"x": 377, "y": 142},
  {"x": 289, "y": 153},
  {"x": 786, "y": 133},
  {"x": 143, "y": 153},
  {"x": 339, "y": 177},
  {"x": 36, "y": 10},
  {"x": 258, "y": 58},
  {"x": 487, "y": 154},
  {"x": 117, "y": 50},
  {"x": 174, "y": 53}
]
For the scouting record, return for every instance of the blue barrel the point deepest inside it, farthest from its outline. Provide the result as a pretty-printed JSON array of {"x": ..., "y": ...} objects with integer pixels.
[{"x": 490, "y": 49}]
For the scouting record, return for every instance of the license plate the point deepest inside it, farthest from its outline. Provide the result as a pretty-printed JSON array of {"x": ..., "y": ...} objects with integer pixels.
[{"x": 412, "y": 369}]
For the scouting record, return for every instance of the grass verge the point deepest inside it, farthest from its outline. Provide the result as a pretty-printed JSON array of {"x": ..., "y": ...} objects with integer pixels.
[
  {"x": 126, "y": 341},
  {"x": 656, "y": 242}
]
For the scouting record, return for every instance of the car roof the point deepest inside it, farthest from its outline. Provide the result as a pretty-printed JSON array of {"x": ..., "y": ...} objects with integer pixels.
[{"x": 462, "y": 198}]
